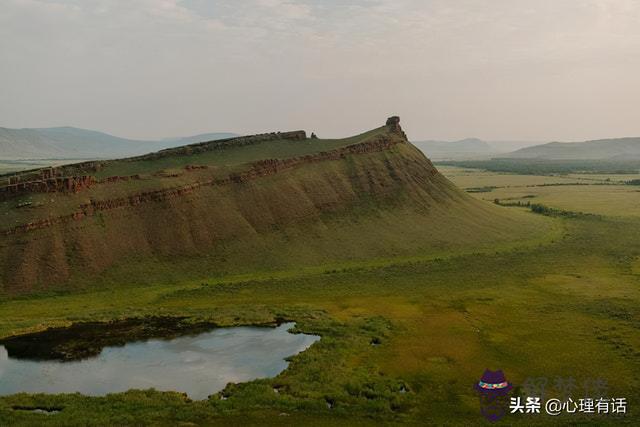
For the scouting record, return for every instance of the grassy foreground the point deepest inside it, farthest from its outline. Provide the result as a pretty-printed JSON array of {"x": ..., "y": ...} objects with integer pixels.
[
  {"x": 564, "y": 308},
  {"x": 543, "y": 298}
]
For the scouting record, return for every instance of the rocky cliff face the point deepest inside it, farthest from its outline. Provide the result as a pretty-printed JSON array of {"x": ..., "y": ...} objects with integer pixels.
[{"x": 47, "y": 182}]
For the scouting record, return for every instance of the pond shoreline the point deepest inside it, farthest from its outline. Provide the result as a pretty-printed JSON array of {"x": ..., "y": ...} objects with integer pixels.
[
  {"x": 82, "y": 340},
  {"x": 166, "y": 354}
]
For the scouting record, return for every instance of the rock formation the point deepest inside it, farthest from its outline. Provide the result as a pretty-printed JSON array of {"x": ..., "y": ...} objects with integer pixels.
[
  {"x": 69, "y": 184},
  {"x": 393, "y": 123}
]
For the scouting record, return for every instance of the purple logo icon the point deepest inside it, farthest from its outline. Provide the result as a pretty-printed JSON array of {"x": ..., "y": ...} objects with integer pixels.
[{"x": 493, "y": 389}]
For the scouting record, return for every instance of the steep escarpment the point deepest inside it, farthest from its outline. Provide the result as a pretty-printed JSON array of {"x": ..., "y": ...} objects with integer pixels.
[{"x": 269, "y": 202}]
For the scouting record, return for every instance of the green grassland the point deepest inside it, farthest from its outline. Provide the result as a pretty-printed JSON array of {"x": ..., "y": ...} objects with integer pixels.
[
  {"x": 563, "y": 308},
  {"x": 533, "y": 295},
  {"x": 602, "y": 194},
  {"x": 466, "y": 178},
  {"x": 600, "y": 200}
]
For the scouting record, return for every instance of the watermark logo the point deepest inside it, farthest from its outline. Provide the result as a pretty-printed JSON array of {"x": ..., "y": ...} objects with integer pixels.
[
  {"x": 494, "y": 390},
  {"x": 554, "y": 407},
  {"x": 532, "y": 397}
]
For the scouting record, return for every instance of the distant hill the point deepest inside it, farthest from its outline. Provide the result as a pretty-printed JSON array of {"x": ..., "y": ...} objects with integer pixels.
[
  {"x": 75, "y": 143},
  {"x": 603, "y": 149},
  {"x": 470, "y": 148}
]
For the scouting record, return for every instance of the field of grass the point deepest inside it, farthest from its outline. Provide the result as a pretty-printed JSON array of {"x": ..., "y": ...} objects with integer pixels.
[
  {"x": 466, "y": 178},
  {"x": 599, "y": 200},
  {"x": 440, "y": 322},
  {"x": 603, "y": 194},
  {"x": 562, "y": 302}
]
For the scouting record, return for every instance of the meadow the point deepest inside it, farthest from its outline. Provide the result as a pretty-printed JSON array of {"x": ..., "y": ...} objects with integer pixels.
[
  {"x": 600, "y": 194},
  {"x": 564, "y": 306}
]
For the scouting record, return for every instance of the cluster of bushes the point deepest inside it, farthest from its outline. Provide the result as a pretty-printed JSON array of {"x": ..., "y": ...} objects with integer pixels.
[
  {"x": 518, "y": 203},
  {"x": 486, "y": 189},
  {"x": 544, "y": 210}
]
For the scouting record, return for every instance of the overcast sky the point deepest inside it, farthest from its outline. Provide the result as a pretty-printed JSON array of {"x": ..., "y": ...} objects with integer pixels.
[{"x": 500, "y": 69}]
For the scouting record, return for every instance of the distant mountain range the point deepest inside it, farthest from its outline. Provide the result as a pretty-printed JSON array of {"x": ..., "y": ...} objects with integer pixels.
[
  {"x": 75, "y": 143},
  {"x": 69, "y": 143},
  {"x": 601, "y": 149},
  {"x": 615, "y": 149}
]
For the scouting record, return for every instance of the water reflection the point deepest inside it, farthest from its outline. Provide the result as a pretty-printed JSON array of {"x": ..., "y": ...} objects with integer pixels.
[{"x": 197, "y": 365}]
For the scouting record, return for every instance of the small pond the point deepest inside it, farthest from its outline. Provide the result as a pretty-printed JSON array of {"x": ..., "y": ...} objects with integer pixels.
[{"x": 199, "y": 365}]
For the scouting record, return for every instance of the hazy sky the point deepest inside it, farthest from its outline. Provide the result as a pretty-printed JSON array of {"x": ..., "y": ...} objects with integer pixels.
[{"x": 496, "y": 69}]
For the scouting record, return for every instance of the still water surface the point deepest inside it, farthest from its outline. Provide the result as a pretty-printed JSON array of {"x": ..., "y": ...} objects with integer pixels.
[{"x": 198, "y": 365}]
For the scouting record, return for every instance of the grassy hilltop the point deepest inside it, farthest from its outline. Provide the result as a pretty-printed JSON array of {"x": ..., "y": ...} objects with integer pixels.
[{"x": 359, "y": 240}]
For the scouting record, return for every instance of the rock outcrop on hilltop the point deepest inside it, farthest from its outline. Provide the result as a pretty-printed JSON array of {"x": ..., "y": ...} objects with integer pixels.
[
  {"x": 393, "y": 123},
  {"x": 46, "y": 182}
]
